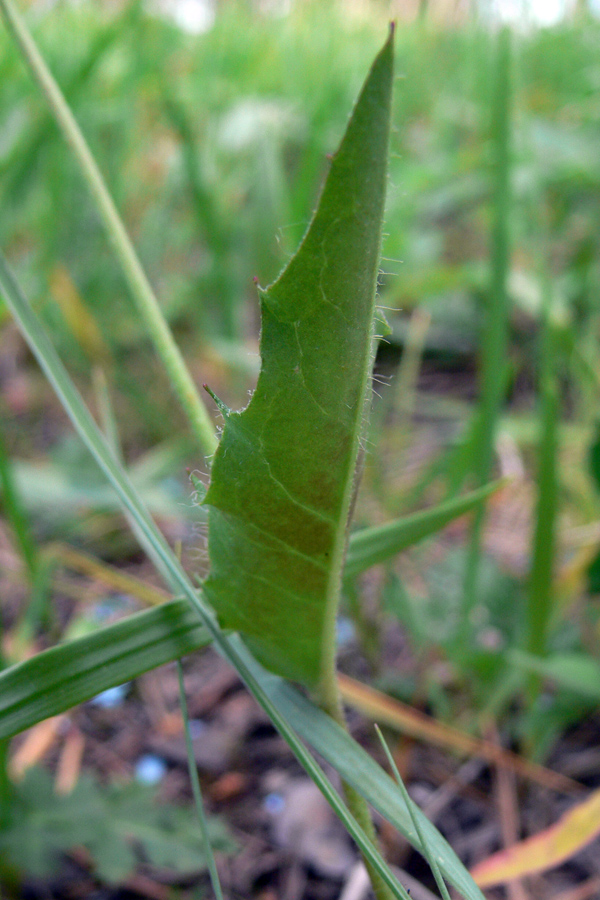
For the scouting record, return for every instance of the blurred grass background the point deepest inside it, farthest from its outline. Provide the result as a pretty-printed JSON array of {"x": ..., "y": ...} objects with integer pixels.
[{"x": 214, "y": 146}]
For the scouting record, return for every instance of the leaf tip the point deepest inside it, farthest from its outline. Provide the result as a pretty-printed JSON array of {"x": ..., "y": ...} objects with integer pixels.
[{"x": 221, "y": 406}]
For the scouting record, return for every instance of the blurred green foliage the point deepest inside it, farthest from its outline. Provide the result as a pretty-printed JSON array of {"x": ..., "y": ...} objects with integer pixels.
[
  {"x": 214, "y": 147},
  {"x": 118, "y": 825}
]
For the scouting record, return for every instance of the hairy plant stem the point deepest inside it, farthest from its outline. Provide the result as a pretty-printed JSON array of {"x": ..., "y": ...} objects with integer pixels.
[
  {"x": 330, "y": 701},
  {"x": 141, "y": 290}
]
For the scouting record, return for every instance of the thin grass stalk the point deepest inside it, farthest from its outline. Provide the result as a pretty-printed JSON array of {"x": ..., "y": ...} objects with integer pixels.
[
  {"x": 16, "y": 515},
  {"x": 495, "y": 339},
  {"x": 36, "y": 568},
  {"x": 221, "y": 282},
  {"x": 167, "y": 564},
  {"x": 136, "y": 278},
  {"x": 425, "y": 849},
  {"x": 196, "y": 791},
  {"x": 540, "y": 595}
]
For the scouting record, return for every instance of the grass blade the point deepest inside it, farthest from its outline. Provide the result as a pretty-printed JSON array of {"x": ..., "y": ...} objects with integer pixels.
[
  {"x": 494, "y": 349},
  {"x": 376, "y": 545},
  {"x": 425, "y": 849},
  {"x": 64, "y": 676},
  {"x": 540, "y": 596}
]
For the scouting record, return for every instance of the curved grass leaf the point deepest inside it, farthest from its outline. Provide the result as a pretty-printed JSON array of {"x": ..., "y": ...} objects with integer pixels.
[
  {"x": 283, "y": 476},
  {"x": 71, "y": 673}
]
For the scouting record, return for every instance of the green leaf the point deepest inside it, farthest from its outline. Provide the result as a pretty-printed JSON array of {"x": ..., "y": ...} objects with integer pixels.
[
  {"x": 118, "y": 824},
  {"x": 283, "y": 476},
  {"x": 375, "y": 545},
  {"x": 42, "y": 825}
]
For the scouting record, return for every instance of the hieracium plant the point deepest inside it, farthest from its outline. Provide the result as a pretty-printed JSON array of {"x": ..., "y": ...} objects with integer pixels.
[{"x": 282, "y": 483}]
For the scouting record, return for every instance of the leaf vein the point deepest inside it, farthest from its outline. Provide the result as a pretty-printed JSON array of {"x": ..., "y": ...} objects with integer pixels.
[{"x": 281, "y": 542}]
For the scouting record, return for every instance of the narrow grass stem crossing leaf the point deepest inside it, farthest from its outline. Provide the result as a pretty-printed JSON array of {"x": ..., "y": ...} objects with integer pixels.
[
  {"x": 425, "y": 849},
  {"x": 284, "y": 474}
]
